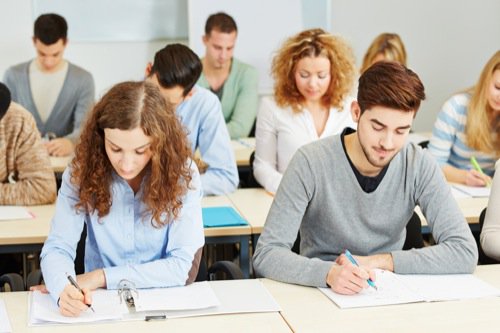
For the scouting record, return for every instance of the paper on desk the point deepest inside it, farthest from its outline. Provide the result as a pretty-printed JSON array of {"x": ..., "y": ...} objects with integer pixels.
[
  {"x": 194, "y": 296},
  {"x": 235, "y": 296},
  {"x": 398, "y": 289},
  {"x": 106, "y": 304},
  {"x": 473, "y": 191},
  {"x": 4, "y": 319},
  {"x": 14, "y": 213}
]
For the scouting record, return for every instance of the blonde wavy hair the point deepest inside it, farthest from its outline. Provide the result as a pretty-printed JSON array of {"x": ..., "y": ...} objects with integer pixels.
[
  {"x": 126, "y": 106},
  {"x": 313, "y": 43},
  {"x": 480, "y": 116},
  {"x": 389, "y": 45}
]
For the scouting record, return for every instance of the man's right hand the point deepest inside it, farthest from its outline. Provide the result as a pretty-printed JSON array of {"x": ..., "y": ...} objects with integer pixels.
[{"x": 348, "y": 279}]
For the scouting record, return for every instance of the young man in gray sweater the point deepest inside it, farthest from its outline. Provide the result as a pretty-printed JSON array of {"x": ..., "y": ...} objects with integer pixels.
[{"x": 357, "y": 190}]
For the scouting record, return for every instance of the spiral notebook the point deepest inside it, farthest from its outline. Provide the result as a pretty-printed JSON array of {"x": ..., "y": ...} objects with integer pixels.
[{"x": 223, "y": 216}]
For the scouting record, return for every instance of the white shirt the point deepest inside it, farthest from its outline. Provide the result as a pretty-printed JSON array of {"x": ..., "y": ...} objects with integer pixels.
[
  {"x": 46, "y": 87},
  {"x": 281, "y": 132}
]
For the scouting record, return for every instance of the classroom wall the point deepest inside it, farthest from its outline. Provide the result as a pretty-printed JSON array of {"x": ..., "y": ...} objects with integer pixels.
[{"x": 448, "y": 42}]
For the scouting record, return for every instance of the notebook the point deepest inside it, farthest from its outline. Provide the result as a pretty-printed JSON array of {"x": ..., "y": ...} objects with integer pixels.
[
  {"x": 398, "y": 289},
  {"x": 223, "y": 216}
]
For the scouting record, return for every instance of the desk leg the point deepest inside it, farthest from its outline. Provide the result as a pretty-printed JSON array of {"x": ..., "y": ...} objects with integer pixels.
[{"x": 245, "y": 260}]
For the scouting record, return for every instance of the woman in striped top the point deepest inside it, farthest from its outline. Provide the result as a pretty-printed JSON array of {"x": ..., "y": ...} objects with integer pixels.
[{"x": 469, "y": 125}]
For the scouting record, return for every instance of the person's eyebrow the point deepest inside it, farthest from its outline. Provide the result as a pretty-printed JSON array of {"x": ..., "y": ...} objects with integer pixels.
[
  {"x": 114, "y": 144},
  {"x": 383, "y": 125}
]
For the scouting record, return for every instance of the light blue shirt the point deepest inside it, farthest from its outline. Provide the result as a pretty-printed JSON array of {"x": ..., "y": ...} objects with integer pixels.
[
  {"x": 201, "y": 115},
  {"x": 122, "y": 243},
  {"x": 448, "y": 143}
]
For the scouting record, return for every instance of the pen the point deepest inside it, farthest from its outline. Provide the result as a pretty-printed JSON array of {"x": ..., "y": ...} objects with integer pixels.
[
  {"x": 74, "y": 284},
  {"x": 353, "y": 261},
  {"x": 476, "y": 166}
]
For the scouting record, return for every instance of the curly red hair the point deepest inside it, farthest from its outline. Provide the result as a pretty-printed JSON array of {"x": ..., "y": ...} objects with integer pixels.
[
  {"x": 126, "y": 106},
  {"x": 313, "y": 43}
]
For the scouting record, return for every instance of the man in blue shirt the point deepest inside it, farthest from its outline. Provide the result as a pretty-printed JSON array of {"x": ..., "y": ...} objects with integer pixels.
[{"x": 175, "y": 70}]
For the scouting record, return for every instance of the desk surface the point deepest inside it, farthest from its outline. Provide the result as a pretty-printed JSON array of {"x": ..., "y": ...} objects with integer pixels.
[
  {"x": 306, "y": 309},
  {"x": 59, "y": 163},
  {"x": 17, "y": 309},
  {"x": 243, "y": 148},
  {"x": 253, "y": 204},
  {"x": 36, "y": 230}
]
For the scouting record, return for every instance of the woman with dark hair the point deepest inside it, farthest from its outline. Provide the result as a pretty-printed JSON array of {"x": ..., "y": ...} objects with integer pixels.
[{"x": 133, "y": 184}]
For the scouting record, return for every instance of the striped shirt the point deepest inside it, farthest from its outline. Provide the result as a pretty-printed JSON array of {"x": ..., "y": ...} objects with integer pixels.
[
  {"x": 26, "y": 177},
  {"x": 448, "y": 143}
]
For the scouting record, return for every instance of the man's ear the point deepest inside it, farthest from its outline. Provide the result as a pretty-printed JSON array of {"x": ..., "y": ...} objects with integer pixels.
[
  {"x": 355, "y": 111},
  {"x": 204, "y": 39},
  {"x": 147, "y": 71}
]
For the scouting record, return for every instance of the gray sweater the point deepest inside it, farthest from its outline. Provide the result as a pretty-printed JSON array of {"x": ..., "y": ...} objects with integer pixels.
[
  {"x": 74, "y": 101},
  {"x": 320, "y": 195}
]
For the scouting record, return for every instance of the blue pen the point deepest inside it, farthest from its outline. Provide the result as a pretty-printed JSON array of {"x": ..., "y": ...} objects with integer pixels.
[{"x": 353, "y": 261}]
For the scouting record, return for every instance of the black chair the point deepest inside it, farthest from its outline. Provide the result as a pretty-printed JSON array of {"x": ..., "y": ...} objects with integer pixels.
[
  {"x": 424, "y": 144},
  {"x": 13, "y": 280},
  {"x": 251, "y": 182},
  {"x": 483, "y": 258},
  {"x": 414, "y": 239}
]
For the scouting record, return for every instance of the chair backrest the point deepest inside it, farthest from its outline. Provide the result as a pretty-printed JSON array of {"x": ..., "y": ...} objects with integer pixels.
[
  {"x": 12, "y": 282},
  {"x": 251, "y": 182}
]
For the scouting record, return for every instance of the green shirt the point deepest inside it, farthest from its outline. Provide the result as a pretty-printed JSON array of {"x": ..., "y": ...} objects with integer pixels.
[{"x": 239, "y": 98}]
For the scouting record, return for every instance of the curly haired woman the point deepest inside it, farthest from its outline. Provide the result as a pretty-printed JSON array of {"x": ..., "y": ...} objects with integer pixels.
[
  {"x": 133, "y": 184},
  {"x": 313, "y": 73}
]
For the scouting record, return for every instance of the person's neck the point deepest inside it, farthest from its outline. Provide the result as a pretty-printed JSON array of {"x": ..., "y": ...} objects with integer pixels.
[
  {"x": 215, "y": 73},
  {"x": 357, "y": 156},
  {"x": 52, "y": 70},
  {"x": 314, "y": 106}
]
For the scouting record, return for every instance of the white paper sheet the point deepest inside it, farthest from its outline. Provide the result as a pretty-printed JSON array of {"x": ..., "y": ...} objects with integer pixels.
[
  {"x": 398, "y": 289},
  {"x": 473, "y": 191},
  {"x": 4, "y": 319},
  {"x": 195, "y": 296},
  {"x": 14, "y": 213},
  {"x": 105, "y": 303},
  {"x": 235, "y": 296}
]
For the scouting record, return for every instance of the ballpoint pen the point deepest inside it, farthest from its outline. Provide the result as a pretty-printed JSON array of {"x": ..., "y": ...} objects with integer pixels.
[
  {"x": 74, "y": 284},
  {"x": 477, "y": 167},
  {"x": 354, "y": 262}
]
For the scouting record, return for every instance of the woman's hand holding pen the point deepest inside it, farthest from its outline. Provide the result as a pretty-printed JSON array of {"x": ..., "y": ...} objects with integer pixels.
[
  {"x": 476, "y": 178},
  {"x": 72, "y": 302}
]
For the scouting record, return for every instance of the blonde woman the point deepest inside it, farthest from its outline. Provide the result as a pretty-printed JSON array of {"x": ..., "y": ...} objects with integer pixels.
[
  {"x": 313, "y": 73},
  {"x": 469, "y": 125},
  {"x": 386, "y": 46}
]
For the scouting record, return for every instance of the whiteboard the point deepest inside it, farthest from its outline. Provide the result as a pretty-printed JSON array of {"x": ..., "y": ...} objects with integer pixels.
[{"x": 263, "y": 25}]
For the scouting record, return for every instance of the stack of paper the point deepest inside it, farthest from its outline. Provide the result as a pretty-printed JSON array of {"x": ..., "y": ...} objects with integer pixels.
[
  {"x": 473, "y": 191},
  {"x": 4, "y": 319},
  {"x": 398, "y": 289}
]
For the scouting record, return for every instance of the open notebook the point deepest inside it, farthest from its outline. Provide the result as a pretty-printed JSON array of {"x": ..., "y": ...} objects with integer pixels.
[
  {"x": 197, "y": 299},
  {"x": 399, "y": 289}
]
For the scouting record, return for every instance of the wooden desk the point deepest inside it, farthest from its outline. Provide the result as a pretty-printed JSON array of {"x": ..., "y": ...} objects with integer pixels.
[
  {"x": 21, "y": 236},
  {"x": 59, "y": 164},
  {"x": 17, "y": 309},
  {"x": 306, "y": 309},
  {"x": 225, "y": 235}
]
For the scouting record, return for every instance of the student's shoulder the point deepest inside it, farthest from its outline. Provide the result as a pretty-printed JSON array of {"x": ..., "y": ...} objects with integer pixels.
[
  {"x": 79, "y": 72},
  {"x": 417, "y": 158},
  {"x": 457, "y": 103},
  {"x": 203, "y": 96},
  {"x": 327, "y": 147},
  {"x": 18, "y": 117},
  {"x": 243, "y": 67},
  {"x": 17, "y": 69}
]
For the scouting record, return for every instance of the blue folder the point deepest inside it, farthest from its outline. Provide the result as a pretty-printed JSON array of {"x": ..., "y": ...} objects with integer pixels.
[{"x": 223, "y": 216}]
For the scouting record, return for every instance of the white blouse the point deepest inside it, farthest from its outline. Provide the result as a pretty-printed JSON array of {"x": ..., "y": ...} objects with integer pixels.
[
  {"x": 281, "y": 132},
  {"x": 490, "y": 235}
]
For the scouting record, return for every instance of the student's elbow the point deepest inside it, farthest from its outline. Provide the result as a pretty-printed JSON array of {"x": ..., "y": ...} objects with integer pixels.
[
  {"x": 470, "y": 257},
  {"x": 490, "y": 244}
]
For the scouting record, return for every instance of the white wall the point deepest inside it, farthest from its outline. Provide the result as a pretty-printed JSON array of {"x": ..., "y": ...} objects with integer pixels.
[
  {"x": 448, "y": 42},
  {"x": 108, "y": 62}
]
